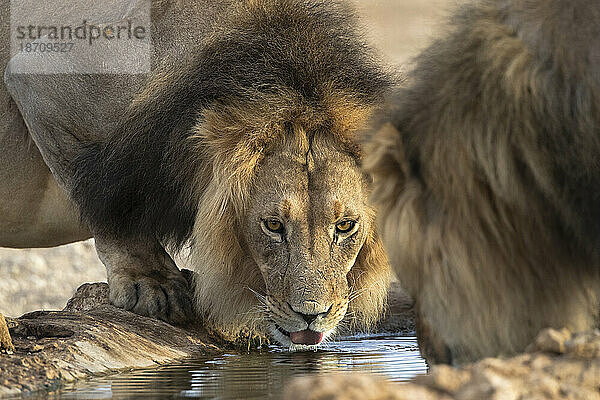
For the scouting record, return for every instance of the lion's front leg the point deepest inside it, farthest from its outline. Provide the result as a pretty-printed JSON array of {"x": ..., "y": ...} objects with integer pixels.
[{"x": 143, "y": 278}]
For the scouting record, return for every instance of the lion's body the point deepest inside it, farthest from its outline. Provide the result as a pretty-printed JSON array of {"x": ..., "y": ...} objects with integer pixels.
[
  {"x": 34, "y": 211},
  {"x": 179, "y": 156},
  {"x": 489, "y": 178}
]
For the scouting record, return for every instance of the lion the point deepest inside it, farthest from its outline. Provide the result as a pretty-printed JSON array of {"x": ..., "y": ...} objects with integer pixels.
[
  {"x": 487, "y": 178},
  {"x": 240, "y": 146}
]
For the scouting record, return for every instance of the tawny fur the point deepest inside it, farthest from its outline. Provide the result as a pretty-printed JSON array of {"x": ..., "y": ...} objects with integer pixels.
[
  {"x": 228, "y": 276},
  {"x": 487, "y": 173}
]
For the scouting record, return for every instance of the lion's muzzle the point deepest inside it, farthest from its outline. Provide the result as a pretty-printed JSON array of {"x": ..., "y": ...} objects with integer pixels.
[{"x": 303, "y": 325}]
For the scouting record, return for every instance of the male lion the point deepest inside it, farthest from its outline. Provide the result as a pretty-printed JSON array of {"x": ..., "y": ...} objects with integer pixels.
[
  {"x": 240, "y": 142},
  {"x": 488, "y": 177}
]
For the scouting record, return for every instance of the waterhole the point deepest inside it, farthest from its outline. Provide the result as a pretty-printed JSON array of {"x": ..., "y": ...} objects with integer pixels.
[{"x": 256, "y": 375}]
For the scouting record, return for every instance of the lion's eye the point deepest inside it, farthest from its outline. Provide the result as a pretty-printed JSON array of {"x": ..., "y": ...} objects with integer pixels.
[
  {"x": 274, "y": 226},
  {"x": 344, "y": 226}
]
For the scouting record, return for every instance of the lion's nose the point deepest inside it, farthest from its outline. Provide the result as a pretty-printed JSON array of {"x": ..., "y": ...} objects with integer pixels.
[
  {"x": 309, "y": 318},
  {"x": 309, "y": 314}
]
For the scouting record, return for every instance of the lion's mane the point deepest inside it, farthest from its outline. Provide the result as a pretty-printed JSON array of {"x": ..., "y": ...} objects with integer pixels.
[{"x": 488, "y": 177}]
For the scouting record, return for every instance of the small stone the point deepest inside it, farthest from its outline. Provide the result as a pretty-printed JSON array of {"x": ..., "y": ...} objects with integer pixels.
[
  {"x": 540, "y": 361},
  {"x": 551, "y": 340},
  {"x": 541, "y": 384},
  {"x": 590, "y": 375},
  {"x": 36, "y": 348},
  {"x": 575, "y": 392},
  {"x": 51, "y": 374},
  {"x": 584, "y": 344},
  {"x": 354, "y": 387},
  {"x": 475, "y": 391},
  {"x": 506, "y": 368}
]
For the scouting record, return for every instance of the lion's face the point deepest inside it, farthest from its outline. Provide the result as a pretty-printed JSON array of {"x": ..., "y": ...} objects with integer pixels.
[{"x": 306, "y": 224}]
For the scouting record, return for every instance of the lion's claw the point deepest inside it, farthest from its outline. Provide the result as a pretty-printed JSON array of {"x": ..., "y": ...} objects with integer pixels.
[{"x": 169, "y": 300}]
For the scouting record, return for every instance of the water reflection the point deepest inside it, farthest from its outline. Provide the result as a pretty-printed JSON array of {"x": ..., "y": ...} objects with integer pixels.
[{"x": 258, "y": 374}]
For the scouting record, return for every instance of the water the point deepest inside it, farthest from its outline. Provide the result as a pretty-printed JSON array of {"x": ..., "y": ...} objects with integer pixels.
[{"x": 256, "y": 375}]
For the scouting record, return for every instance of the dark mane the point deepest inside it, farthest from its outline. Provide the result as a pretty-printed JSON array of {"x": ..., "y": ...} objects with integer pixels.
[{"x": 143, "y": 180}]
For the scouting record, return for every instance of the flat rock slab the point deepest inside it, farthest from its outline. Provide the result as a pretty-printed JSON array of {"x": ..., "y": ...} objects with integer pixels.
[{"x": 90, "y": 337}]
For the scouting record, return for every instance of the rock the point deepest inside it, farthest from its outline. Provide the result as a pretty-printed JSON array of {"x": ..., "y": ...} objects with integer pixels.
[
  {"x": 584, "y": 344},
  {"x": 551, "y": 340},
  {"x": 87, "y": 297},
  {"x": 444, "y": 379},
  {"x": 91, "y": 337}
]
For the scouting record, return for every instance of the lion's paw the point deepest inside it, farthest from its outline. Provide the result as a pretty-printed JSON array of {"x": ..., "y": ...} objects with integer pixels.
[
  {"x": 144, "y": 279},
  {"x": 166, "y": 299}
]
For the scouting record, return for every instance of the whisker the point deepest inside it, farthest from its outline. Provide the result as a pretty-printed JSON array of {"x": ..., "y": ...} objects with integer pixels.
[
  {"x": 355, "y": 294},
  {"x": 357, "y": 278},
  {"x": 253, "y": 312},
  {"x": 260, "y": 297}
]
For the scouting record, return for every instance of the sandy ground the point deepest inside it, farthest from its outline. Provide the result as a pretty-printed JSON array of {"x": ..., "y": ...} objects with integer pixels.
[
  {"x": 35, "y": 279},
  {"x": 400, "y": 28}
]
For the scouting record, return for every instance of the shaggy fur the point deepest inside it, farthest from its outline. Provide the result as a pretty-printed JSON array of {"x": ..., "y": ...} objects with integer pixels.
[
  {"x": 181, "y": 164},
  {"x": 488, "y": 178},
  {"x": 142, "y": 179}
]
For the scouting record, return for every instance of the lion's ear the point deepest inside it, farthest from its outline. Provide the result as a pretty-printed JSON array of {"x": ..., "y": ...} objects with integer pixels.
[
  {"x": 369, "y": 280},
  {"x": 386, "y": 153}
]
